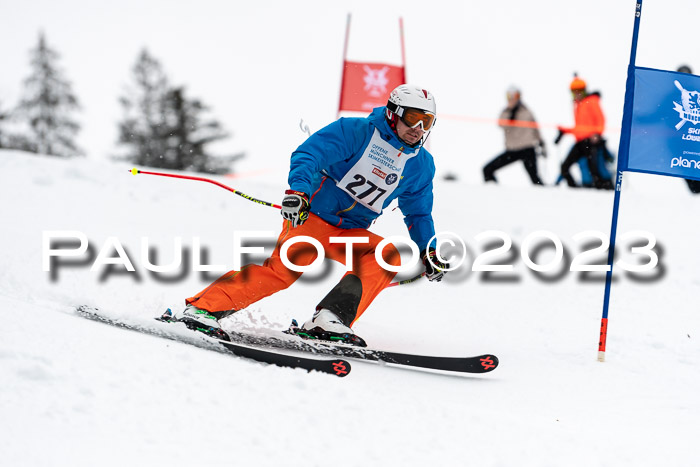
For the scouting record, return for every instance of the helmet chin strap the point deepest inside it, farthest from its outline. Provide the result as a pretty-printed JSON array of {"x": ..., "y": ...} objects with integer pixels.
[
  {"x": 423, "y": 139},
  {"x": 418, "y": 144}
]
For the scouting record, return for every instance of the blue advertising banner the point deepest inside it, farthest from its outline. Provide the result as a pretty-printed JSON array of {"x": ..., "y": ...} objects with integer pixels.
[{"x": 665, "y": 124}]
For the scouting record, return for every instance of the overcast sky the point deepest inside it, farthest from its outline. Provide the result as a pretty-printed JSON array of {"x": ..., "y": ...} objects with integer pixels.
[{"x": 262, "y": 66}]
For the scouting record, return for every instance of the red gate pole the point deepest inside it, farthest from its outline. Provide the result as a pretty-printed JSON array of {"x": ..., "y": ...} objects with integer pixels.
[{"x": 403, "y": 49}]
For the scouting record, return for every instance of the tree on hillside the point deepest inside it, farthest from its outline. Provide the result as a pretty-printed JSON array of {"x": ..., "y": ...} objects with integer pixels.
[
  {"x": 12, "y": 139},
  {"x": 164, "y": 128},
  {"x": 188, "y": 133},
  {"x": 142, "y": 129},
  {"x": 47, "y": 104}
]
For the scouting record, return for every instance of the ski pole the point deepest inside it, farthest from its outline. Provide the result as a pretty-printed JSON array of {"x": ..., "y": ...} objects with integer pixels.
[
  {"x": 200, "y": 179},
  {"x": 249, "y": 198},
  {"x": 405, "y": 281}
]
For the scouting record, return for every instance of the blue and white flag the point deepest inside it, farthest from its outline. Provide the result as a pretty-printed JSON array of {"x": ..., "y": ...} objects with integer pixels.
[{"x": 665, "y": 124}]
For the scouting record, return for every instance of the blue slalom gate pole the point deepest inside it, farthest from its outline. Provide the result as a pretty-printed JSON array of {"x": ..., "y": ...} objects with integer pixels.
[{"x": 622, "y": 159}]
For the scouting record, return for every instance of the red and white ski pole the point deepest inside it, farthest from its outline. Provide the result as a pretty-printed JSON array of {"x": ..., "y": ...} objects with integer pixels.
[
  {"x": 405, "y": 281},
  {"x": 136, "y": 171},
  {"x": 201, "y": 179}
]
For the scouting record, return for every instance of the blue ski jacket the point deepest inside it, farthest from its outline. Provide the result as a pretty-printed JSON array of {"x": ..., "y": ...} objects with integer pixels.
[{"x": 355, "y": 167}]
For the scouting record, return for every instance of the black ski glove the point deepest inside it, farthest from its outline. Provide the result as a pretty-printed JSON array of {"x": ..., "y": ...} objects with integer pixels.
[
  {"x": 295, "y": 207},
  {"x": 434, "y": 268},
  {"x": 606, "y": 153},
  {"x": 559, "y": 137}
]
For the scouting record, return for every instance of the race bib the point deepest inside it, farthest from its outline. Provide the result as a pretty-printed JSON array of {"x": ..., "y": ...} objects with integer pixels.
[{"x": 376, "y": 174}]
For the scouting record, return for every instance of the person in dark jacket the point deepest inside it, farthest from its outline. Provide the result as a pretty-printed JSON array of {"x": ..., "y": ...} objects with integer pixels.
[{"x": 522, "y": 137}]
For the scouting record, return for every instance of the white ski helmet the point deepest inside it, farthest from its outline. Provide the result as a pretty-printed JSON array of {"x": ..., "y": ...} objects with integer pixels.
[{"x": 408, "y": 95}]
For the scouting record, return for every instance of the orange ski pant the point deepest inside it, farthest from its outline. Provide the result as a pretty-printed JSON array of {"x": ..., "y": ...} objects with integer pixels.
[{"x": 236, "y": 290}]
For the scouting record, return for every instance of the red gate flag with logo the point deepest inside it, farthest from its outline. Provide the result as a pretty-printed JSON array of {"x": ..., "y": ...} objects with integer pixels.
[{"x": 368, "y": 85}]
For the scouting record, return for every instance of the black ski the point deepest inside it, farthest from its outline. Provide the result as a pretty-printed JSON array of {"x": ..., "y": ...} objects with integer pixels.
[
  {"x": 289, "y": 340},
  {"x": 476, "y": 364},
  {"x": 471, "y": 364},
  {"x": 337, "y": 366}
]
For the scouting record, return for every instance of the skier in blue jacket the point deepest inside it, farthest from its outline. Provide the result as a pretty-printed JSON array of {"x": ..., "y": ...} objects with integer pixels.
[{"x": 340, "y": 180}]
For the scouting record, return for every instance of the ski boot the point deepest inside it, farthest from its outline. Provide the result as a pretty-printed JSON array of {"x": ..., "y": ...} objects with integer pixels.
[
  {"x": 326, "y": 326},
  {"x": 198, "y": 320}
]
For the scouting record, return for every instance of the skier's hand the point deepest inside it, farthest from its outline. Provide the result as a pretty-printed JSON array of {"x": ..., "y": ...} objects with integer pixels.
[
  {"x": 608, "y": 157},
  {"x": 559, "y": 136},
  {"x": 295, "y": 207},
  {"x": 434, "y": 268}
]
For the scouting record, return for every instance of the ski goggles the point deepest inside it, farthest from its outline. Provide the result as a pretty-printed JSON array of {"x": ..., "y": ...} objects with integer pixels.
[{"x": 414, "y": 117}]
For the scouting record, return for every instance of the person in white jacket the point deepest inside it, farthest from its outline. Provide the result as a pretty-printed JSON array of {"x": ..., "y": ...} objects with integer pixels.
[{"x": 522, "y": 139}]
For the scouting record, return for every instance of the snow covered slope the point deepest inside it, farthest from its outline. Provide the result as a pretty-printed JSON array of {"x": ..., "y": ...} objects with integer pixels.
[{"x": 79, "y": 393}]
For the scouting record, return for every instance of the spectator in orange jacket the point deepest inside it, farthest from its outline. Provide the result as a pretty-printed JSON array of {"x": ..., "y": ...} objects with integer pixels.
[{"x": 588, "y": 131}]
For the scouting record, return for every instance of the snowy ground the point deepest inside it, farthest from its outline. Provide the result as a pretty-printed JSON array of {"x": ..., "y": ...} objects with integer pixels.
[{"x": 80, "y": 393}]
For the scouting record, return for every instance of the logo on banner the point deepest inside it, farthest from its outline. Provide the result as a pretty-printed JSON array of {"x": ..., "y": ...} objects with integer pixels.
[
  {"x": 378, "y": 173},
  {"x": 685, "y": 163},
  {"x": 690, "y": 110},
  {"x": 376, "y": 80},
  {"x": 391, "y": 179}
]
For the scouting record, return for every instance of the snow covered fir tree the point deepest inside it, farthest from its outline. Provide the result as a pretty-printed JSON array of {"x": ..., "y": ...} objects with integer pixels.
[
  {"x": 188, "y": 134},
  {"x": 164, "y": 128},
  {"x": 46, "y": 107}
]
